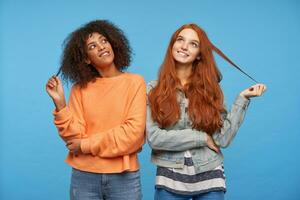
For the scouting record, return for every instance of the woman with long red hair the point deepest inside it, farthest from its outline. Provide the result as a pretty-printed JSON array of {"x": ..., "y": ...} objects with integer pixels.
[{"x": 187, "y": 122}]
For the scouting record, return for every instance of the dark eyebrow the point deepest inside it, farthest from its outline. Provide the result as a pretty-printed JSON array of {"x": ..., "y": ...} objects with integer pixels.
[
  {"x": 90, "y": 35},
  {"x": 90, "y": 43}
]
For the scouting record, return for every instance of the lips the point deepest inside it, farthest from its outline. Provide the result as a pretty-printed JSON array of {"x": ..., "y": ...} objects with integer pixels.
[
  {"x": 182, "y": 53},
  {"x": 104, "y": 53}
]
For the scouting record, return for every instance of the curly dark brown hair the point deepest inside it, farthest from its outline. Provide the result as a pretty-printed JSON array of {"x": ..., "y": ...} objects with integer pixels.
[{"x": 73, "y": 61}]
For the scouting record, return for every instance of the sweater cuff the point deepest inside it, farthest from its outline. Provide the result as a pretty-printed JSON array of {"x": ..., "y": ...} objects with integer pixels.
[
  {"x": 62, "y": 114},
  {"x": 85, "y": 146},
  {"x": 242, "y": 101}
]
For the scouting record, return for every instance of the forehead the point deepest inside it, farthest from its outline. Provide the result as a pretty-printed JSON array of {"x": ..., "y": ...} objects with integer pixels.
[
  {"x": 93, "y": 36},
  {"x": 189, "y": 33}
]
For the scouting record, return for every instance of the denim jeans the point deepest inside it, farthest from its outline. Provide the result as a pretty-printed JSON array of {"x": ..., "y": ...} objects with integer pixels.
[
  {"x": 161, "y": 194},
  {"x": 94, "y": 186}
]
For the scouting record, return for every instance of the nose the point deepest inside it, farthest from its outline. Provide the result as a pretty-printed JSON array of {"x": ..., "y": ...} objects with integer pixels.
[
  {"x": 100, "y": 47},
  {"x": 184, "y": 46}
]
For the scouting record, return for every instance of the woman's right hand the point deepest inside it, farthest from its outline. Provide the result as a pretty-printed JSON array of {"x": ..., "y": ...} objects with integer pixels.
[
  {"x": 254, "y": 91},
  {"x": 55, "y": 90},
  {"x": 212, "y": 145}
]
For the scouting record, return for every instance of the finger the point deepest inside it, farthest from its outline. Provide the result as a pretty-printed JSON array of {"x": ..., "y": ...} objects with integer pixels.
[
  {"x": 53, "y": 82},
  {"x": 257, "y": 90},
  {"x": 264, "y": 88},
  {"x": 52, "y": 85},
  {"x": 214, "y": 147},
  {"x": 49, "y": 85},
  {"x": 261, "y": 89},
  {"x": 51, "y": 79},
  {"x": 57, "y": 80},
  {"x": 217, "y": 149}
]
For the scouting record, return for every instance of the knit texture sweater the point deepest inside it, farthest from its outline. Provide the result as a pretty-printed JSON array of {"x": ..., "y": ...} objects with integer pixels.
[{"x": 109, "y": 117}]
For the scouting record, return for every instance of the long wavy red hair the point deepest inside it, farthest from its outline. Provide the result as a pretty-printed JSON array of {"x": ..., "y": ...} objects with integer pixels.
[{"x": 203, "y": 89}]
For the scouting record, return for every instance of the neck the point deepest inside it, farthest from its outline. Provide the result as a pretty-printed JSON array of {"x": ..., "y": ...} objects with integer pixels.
[
  {"x": 183, "y": 72},
  {"x": 109, "y": 71}
]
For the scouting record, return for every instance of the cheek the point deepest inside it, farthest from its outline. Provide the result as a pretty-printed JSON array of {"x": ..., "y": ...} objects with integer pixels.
[
  {"x": 174, "y": 50},
  {"x": 108, "y": 46},
  {"x": 173, "y": 53},
  {"x": 91, "y": 56},
  {"x": 194, "y": 54},
  {"x": 175, "y": 46}
]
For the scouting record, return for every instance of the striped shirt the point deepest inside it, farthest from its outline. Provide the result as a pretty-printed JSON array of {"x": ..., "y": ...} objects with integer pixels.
[{"x": 185, "y": 181}]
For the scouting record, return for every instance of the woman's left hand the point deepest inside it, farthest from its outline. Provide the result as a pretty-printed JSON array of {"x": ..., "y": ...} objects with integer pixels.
[
  {"x": 254, "y": 91},
  {"x": 74, "y": 146}
]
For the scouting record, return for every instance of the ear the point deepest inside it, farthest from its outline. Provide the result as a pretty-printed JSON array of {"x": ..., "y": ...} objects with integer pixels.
[{"x": 198, "y": 57}]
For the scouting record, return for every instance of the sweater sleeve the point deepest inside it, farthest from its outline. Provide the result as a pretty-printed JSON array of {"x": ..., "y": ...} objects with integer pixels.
[
  {"x": 125, "y": 138},
  {"x": 69, "y": 120},
  {"x": 231, "y": 122}
]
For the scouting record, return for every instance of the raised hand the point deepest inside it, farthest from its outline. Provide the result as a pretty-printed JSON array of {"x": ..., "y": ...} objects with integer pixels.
[
  {"x": 254, "y": 91},
  {"x": 55, "y": 90}
]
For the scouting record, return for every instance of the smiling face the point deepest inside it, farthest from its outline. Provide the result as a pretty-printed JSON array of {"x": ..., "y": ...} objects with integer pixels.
[
  {"x": 186, "y": 47},
  {"x": 99, "y": 51}
]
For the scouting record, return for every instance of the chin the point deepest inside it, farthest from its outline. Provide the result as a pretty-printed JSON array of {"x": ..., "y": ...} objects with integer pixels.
[
  {"x": 182, "y": 61},
  {"x": 107, "y": 61}
]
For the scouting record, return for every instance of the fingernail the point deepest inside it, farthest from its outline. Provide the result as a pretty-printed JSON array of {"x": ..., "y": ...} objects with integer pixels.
[{"x": 251, "y": 89}]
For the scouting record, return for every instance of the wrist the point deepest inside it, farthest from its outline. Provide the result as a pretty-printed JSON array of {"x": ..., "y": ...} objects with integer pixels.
[
  {"x": 243, "y": 95},
  {"x": 59, "y": 104}
]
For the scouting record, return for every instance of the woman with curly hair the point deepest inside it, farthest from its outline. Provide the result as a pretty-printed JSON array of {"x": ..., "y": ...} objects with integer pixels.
[
  {"x": 104, "y": 121},
  {"x": 186, "y": 119}
]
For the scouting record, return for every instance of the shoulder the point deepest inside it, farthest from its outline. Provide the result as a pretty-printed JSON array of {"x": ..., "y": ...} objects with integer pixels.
[
  {"x": 136, "y": 78},
  {"x": 75, "y": 87},
  {"x": 134, "y": 81},
  {"x": 75, "y": 91}
]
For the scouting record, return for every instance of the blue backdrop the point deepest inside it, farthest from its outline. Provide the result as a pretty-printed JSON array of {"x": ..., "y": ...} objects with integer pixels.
[{"x": 261, "y": 35}]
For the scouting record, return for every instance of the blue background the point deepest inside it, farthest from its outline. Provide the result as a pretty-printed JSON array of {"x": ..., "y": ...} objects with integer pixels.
[{"x": 262, "y": 36}]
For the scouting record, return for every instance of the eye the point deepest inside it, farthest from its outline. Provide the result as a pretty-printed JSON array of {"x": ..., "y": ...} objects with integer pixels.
[
  {"x": 194, "y": 44},
  {"x": 104, "y": 41},
  {"x": 92, "y": 46}
]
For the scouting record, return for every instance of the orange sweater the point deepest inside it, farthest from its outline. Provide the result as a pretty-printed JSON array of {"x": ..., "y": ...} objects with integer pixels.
[{"x": 109, "y": 116}]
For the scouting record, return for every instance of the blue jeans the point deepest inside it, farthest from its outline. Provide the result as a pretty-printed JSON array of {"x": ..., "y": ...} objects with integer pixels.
[
  {"x": 161, "y": 194},
  {"x": 94, "y": 186}
]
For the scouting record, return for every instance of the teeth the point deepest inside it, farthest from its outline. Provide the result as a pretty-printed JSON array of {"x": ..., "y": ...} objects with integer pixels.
[
  {"x": 182, "y": 53},
  {"x": 104, "y": 54}
]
